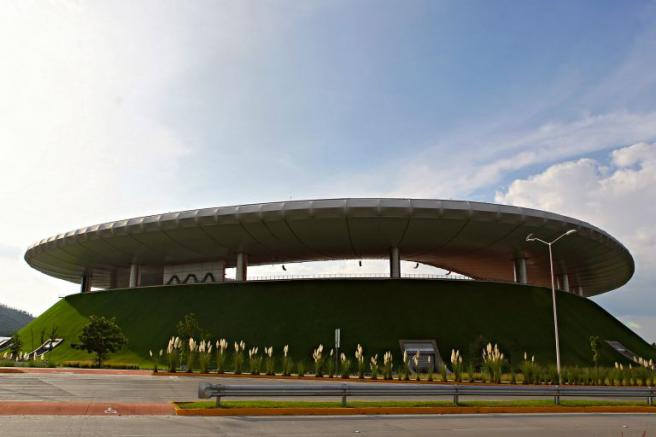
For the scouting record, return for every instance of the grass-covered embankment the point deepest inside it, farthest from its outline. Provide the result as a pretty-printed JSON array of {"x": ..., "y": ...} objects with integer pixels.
[{"x": 374, "y": 313}]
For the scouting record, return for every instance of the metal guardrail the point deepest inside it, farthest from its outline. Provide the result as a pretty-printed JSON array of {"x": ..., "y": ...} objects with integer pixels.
[{"x": 455, "y": 391}]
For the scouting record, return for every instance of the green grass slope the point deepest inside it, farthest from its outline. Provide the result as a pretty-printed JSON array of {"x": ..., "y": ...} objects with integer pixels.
[{"x": 374, "y": 313}]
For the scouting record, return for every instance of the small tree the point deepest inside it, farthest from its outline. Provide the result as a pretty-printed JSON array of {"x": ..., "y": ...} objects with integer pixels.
[
  {"x": 188, "y": 328},
  {"x": 594, "y": 346},
  {"x": 16, "y": 346},
  {"x": 475, "y": 348},
  {"x": 101, "y": 336},
  {"x": 53, "y": 333},
  {"x": 53, "y": 336}
]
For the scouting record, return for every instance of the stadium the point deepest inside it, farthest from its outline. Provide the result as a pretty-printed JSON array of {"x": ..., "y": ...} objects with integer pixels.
[{"x": 150, "y": 271}]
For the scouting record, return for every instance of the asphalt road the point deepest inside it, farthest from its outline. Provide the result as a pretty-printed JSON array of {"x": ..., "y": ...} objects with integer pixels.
[
  {"x": 624, "y": 425},
  {"x": 90, "y": 387},
  {"x": 123, "y": 388},
  {"x": 146, "y": 388}
]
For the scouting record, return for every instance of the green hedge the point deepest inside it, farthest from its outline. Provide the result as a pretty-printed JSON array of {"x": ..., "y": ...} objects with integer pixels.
[{"x": 375, "y": 313}]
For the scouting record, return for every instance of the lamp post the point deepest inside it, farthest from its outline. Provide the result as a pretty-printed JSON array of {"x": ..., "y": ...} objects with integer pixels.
[{"x": 530, "y": 237}]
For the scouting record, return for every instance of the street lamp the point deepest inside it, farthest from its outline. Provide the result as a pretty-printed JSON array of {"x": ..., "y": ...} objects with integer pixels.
[{"x": 530, "y": 237}]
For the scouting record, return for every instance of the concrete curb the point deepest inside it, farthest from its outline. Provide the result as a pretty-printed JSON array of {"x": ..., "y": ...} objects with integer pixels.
[{"x": 338, "y": 411}]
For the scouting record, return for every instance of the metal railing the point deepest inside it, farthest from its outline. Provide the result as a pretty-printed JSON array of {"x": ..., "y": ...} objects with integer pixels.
[
  {"x": 357, "y": 275},
  {"x": 454, "y": 391}
]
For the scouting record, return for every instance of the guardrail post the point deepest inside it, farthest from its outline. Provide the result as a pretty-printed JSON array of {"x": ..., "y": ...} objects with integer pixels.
[
  {"x": 650, "y": 398},
  {"x": 455, "y": 396},
  {"x": 218, "y": 401},
  {"x": 344, "y": 391},
  {"x": 557, "y": 396}
]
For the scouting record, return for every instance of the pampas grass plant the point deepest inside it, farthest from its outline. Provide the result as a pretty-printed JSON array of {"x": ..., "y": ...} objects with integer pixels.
[
  {"x": 528, "y": 368},
  {"x": 254, "y": 361},
  {"x": 405, "y": 374},
  {"x": 373, "y": 365},
  {"x": 456, "y": 365},
  {"x": 317, "y": 357},
  {"x": 155, "y": 361},
  {"x": 415, "y": 362},
  {"x": 444, "y": 375},
  {"x": 286, "y": 361},
  {"x": 239, "y": 356},
  {"x": 429, "y": 377},
  {"x": 221, "y": 353},
  {"x": 173, "y": 353},
  {"x": 388, "y": 364},
  {"x": 344, "y": 366},
  {"x": 471, "y": 370},
  {"x": 330, "y": 364},
  {"x": 191, "y": 355},
  {"x": 270, "y": 361},
  {"x": 360, "y": 362},
  {"x": 204, "y": 356},
  {"x": 493, "y": 362}
]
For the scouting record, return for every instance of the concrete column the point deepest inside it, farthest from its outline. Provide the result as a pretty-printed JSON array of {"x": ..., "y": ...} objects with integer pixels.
[
  {"x": 113, "y": 279},
  {"x": 521, "y": 277},
  {"x": 395, "y": 263},
  {"x": 242, "y": 266},
  {"x": 134, "y": 275},
  {"x": 564, "y": 282},
  {"x": 221, "y": 275},
  {"x": 85, "y": 283}
]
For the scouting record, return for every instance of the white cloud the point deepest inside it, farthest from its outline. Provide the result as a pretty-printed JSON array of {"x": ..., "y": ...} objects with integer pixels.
[
  {"x": 82, "y": 87},
  {"x": 466, "y": 162},
  {"x": 619, "y": 197},
  {"x": 78, "y": 140},
  {"x": 480, "y": 160}
]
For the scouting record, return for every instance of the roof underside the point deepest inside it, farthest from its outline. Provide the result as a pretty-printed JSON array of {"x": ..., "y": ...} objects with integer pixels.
[{"x": 476, "y": 239}]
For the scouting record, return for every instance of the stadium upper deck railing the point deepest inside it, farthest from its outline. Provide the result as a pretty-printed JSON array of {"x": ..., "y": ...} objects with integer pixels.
[{"x": 357, "y": 275}]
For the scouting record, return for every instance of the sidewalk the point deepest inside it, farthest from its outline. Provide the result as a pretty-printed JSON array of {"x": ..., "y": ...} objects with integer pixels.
[
  {"x": 75, "y": 370},
  {"x": 29, "y": 408}
]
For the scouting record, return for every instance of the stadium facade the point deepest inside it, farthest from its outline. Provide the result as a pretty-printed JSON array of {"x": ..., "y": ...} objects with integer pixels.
[{"x": 482, "y": 241}]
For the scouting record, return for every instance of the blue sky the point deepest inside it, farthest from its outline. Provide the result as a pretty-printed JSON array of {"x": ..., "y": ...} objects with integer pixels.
[
  {"x": 117, "y": 109},
  {"x": 337, "y": 88}
]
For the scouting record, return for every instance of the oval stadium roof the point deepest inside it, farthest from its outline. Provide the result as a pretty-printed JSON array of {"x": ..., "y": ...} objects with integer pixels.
[{"x": 480, "y": 240}]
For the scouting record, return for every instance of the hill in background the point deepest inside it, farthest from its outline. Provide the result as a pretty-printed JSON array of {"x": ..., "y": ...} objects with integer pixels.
[{"x": 11, "y": 320}]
